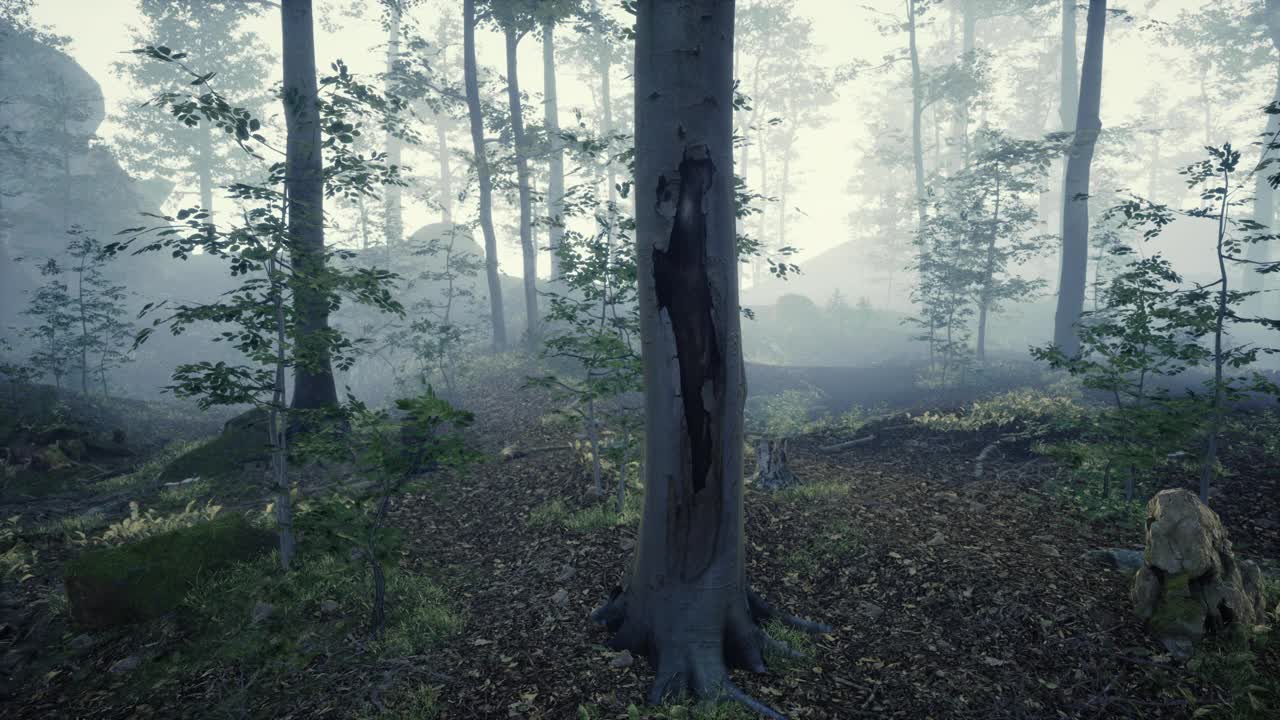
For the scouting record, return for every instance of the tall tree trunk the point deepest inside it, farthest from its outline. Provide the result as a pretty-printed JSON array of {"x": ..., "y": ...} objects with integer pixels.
[
  {"x": 527, "y": 249},
  {"x": 1075, "y": 204},
  {"x": 555, "y": 185},
  {"x": 446, "y": 174},
  {"x": 471, "y": 79},
  {"x": 782, "y": 190},
  {"x": 313, "y": 385},
  {"x": 392, "y": 217},
  {"x": 1264, "y": 198},
  {"x": 610, "y": 174},
  {"x": 1068, "y": 97},
  {"x": 204, "y": 174},
  {"x": 686, "y": 604},
  {"x": 917, "y": 111},
  {"x": 968, "y": 45}
]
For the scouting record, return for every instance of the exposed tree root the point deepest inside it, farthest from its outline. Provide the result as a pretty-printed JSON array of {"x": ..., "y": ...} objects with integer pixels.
[
  {"x": 511, "y": 452},
  {"x": 695, "y": 661},
  {"x": 849, "y": 444}
]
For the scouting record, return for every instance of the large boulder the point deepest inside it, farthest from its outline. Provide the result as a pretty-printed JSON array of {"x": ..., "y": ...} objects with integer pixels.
[
  {"x": 145, "y": 579},
  {"x": 1191, "y": 584}
]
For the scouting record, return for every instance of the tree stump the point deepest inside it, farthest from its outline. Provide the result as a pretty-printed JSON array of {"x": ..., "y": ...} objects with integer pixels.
[{"x": 772, "y": 470}]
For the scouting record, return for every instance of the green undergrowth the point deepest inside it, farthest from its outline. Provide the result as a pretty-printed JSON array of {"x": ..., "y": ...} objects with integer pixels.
[
  {"x": 296, "y": 629},
  {"x": 818, "y": 490},
  {"x": 557, "y": 513},
  {"x": 827, "y": 547},
  {"x": 242, "y": 442},
  {"x": 149, "y": 576}
]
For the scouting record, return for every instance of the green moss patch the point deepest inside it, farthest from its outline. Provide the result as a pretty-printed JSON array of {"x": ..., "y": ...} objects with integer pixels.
[
  {"x": 243, "y": 441},
  {"x": 145, "y": 579}
]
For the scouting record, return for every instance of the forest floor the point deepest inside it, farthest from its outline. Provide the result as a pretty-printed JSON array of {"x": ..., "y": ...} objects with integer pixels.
[{"x": 949, "y": 597}]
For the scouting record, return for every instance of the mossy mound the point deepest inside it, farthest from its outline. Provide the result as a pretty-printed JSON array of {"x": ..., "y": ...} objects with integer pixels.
[
  {"x": 143, "y": 580},
  {"x": 243, "y": 441}
]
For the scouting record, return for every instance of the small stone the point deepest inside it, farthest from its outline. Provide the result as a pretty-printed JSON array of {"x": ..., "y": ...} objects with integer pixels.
[
  {"x": 262, "y": 611},
  {"x": 627, "y": 544},
  {"x": 83, "y": 641},
  {"x": 126, "y": 664},
  {"x": 622, "y": 659},
  {"x": 561, "y": 598},
  {"x": 870, "y": 609},
  {"x": 937, "y": 539},
  {"x": 328, "y": 607},
  {"x": 565, "y": 574},
  {"x": 1049, "y": 550}
]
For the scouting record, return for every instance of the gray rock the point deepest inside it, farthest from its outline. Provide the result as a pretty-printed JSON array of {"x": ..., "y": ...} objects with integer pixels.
[
  {"x": 622, "y": 660},
  {"x": 328, "y": 607},
  {"x": 262, "y": 611},
  {"x": 567, "y": 573},
  {"x": 561, "y": 598},
  {"x": 870, "y": 609},
  {"x": 1191, "y": 584},
  {"x": 127, "y": 664},
  {"x": 1126, "y": 561},
  {"x": 82, "y": 641}
]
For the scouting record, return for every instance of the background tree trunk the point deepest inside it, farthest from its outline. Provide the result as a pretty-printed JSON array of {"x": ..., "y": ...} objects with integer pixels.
[
  {"x": 555, "y": 184},
  {"x": 1075, "y": 212},
  {"x": 1264, "y": 207},
  {"x": 471, "y": 79},
  {"x": 686, "y": 604},
  {"x": 204, "y": 173},
  {"x": 392, "y": 218},
  {"x": 917, "y": 111},
  {"x": 446, "y": 174},
  {"x": 313, "y": 385},
  {"x": 528, "y": 251}
]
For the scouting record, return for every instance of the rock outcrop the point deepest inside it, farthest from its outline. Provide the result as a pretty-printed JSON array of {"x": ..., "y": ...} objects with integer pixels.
[{"x": 1191, "y": 584}]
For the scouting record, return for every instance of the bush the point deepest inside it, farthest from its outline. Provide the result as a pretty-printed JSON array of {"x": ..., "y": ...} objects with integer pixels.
[
  {"x": 1025, "y": 411},
  {"x": 787, "y": 414}
]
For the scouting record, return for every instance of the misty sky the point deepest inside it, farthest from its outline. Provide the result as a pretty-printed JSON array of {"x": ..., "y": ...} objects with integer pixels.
[{"x": 846, "y": 30}]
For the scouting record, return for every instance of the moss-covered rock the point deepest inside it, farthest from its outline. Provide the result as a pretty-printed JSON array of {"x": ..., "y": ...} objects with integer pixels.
[
  {"x": 243, "y": 441},
  {"x": 142, "y": 580}
]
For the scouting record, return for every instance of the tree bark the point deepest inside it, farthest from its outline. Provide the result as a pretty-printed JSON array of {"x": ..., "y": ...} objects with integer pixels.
[
  {"x": 528, "y": 251},
  {"x": 772, "y": 470},
  {"x": 1075, "y": 204},
  {"x": 471, "y": 79},
  {"x": 392, "y": 217},
  {"x": 610, "y": 175},
  {"x": 917, "y": 112},
  {"x": 313, "y": 385},
  {"x": 204, "y": 174},
  {"x": 686, "y": 604},
  {"x": 551, "y": 113},
  {"x": 446, "y": 174},
  {"x": 1264, "y": 208}
]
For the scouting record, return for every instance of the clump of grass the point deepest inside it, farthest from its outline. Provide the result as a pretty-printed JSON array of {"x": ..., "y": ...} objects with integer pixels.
[
  {"x": 820, "y": 490},
  {"x": 176, "y": 496},
  {"x": 140, "y": 525},
  {"x": 830, "y": 546},
  {"x": 299, "y": 628},
  {"x": 416, "y": 702},
  {"x": 147, "y": 475},
  {"x": 555, "y": 513}
]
